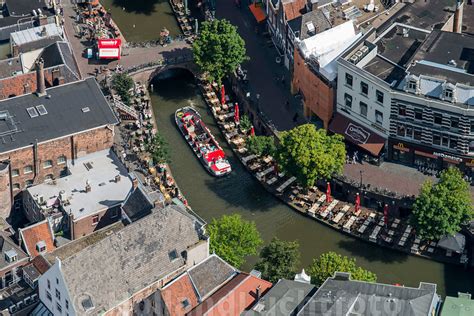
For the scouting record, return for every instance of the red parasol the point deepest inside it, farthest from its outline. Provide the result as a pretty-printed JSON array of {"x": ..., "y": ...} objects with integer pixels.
[
  {"x": 357, "y": 203},
  {"x": 222, "y": 94},
  {"x": 328, "y": 193},
  {"x": 252, "y": 131},
  {"x": 385, "y": 214},
  {"x": 236, "y": 113}
]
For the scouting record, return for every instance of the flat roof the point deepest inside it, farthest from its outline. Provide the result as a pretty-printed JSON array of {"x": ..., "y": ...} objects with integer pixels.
[
  {"x": 99, "y": 169},
  {"x": 447, "y": 56},
  {"x": 71, "y": 109},
  {"x": 25, "y": 7},
  {"x": 462, "y": 305},
  {"x": 35, "y": 34}
]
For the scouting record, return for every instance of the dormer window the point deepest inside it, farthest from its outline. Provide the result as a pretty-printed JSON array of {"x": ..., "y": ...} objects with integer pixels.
[
  {"x": 412, "y": 85},
  {"x": 41, "y": 246},
  {"x": 448, "y": 92},
  {"x": 11, "y": 256}
]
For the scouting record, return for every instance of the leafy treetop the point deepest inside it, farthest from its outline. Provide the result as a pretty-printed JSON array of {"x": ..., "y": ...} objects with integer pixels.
[
  {"x": 261, "y": 145},
  {"x": 328, "y": 263},
  {"x": 442, "y": 208},
  {"x": 158, "y": 149},
  {"x": 219, "y": 49},
  {"x": 233, "y": 238},
  {"x": 279, "y": 260},
  {"x": 310, "y": 154},
  {"x": 122, "y": 83}
]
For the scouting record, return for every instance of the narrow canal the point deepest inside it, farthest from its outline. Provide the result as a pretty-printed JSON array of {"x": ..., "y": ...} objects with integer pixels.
[{"x": 240, "y": 193}]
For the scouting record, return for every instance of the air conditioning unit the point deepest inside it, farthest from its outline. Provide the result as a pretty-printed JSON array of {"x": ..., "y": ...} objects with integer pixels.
[
  {"x": 354, "y": 59},
  {"x": 364, "y": 49}
]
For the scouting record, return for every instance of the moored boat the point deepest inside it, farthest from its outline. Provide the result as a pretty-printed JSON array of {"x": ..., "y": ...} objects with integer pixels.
[{"x": 201, "y": 141}]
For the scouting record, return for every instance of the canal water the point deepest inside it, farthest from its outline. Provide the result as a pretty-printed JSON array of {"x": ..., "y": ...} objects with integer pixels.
[
  {"x": 239, "y": 193},
  {"x": 142, "y": 20}
]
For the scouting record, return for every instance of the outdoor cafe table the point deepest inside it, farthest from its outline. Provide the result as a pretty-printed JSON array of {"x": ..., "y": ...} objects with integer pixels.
[
  {"x": 287, "y": 183},
  {"x": 222, "y": 117},
  {"x": 362, "y": 229},
  {"x": 391, "y": 232},
  {"x": 394, "y": 225},
  {"x": 267, "y": 159},
  {"x": 338, "y": 217},
  {"x": 248, "y": 158},
  {"x": 333, "y": 205},
  {"x": 375, "y": 233},
  {"x": 402, "y": 241},
  {"x": 237, "y": 141},
  {"x": 317, "y": 204},
  {"x": 255, "y": 166},
  {"x": 265, "y": 172},
  {"x": 271, "y": 181},
  {"x": 231, "y": 134},
  {"x": 348, "y": 224}
]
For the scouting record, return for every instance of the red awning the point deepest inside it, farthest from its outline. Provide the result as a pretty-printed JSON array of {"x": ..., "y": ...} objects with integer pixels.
[
  {"x": 258, "y": 12},
  {"x": 356, "y": 134}
]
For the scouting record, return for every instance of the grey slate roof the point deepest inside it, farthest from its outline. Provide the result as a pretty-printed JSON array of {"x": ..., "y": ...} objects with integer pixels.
[
  {"x": 65, "y": 116},
  {"x": 341, "y": 296},
  {"x": 283, "y": 299},
  {"x": 8, "y": 246},
  {"x": 316, "y": 17},
  {"x": 116, "y": 267},
  {"x": 209, "y": 275}
]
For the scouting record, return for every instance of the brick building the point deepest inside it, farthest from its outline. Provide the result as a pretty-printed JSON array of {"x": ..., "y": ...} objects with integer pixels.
[
  {"x": 315, "y": 70},
  {"x": 18, "y": 75},
  {"x": 12, "y": 258},
  {"x": 40, "y": 132},
  {"x": 114, "y": 275}
]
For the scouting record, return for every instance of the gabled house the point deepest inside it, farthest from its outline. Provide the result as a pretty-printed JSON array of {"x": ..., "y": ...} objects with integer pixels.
[
  {"x": 11, "y": 260},
  {"x": 37, "y": 238},
  {"x": 114, "y": 275}
]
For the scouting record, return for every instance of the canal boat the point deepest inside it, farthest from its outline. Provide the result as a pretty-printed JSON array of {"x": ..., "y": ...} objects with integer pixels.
[{"x": 201, "y": 141}]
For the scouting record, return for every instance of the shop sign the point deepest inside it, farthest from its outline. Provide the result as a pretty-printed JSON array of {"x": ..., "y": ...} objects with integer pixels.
[
  {"x": 357, "y": 133},
  {"x": 443, "y": 155}
]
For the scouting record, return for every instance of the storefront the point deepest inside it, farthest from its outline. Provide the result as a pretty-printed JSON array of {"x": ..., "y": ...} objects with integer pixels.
[
  {"x": 109, "y": 48},
  {"x": 357, "y": 135},
  {"x": 426, "y": 158}
]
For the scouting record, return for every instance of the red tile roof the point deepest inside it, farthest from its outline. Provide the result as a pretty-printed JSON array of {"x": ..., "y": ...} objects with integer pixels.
[
  {"x": 294, "y": 9},
  {"x": 233, "y": 298},
  {"x": 40, "y": 264},
  {"x": 35, "y": 233},
  {"x": 176, "y": 293}
]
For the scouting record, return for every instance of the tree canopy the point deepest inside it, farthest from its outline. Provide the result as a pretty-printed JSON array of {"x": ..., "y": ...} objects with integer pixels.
[
  {"x": 245, "y": 123},
  {"x": 233, "y": 238},
  {"x": 442, "y": 208},
  {"x": 219, "y": 49},
  {"x": 279, "y": 260},
  {"x": 122, "y": 83},
  {"x": 261, "y": 145},
  {"x": 158, "y": 149},
  {"x": 310, "y": 154},
  {"x": 328, "y": 263}
]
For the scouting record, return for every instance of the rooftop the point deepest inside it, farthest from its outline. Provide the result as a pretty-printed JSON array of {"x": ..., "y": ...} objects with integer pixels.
[
  {"x": 36, "y": 33},
  {"x": 447, "y": 56},
  {"x": 210, "y": 275},
  {"x": 36, "y": 235},
  {"x": 9, "y": 249},
  {"x": 234, "y": 297},
  {"x": 463, "y": 305},
  {"x": 71, "y": 109},
  {"x": 140, "y": 252},
  {"x": 24, "y": 7},
  {"x": 282, "y": 299},
  {"x": 309, "y": 24},
  {"x": 179, "y": 296},
  {"x": 106, "y": 175},
  {"x": 341, "y": 296}
]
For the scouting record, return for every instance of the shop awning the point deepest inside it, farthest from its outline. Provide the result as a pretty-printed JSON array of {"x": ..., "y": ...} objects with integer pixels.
[
  {"x": 258, "y": 12},
  {"x": 356, "y": 134}
]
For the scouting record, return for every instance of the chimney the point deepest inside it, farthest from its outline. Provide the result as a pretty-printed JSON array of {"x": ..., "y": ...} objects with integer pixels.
[
  {"x": 257, "y": 294},
  {"x": 40, "y": 84},
  {"x": 134, "y": 183},
  {"x": 457, "y": 22},
  {"x": 88, "y": 186},
  {"x": 312, "y": 5},
  {"x": 117, "y": 178}
]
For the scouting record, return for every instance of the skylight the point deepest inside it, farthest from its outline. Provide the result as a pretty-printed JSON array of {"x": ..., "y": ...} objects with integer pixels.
[
  {"x": 32, "y": 112},
  {"x": 41, "y": 109}
]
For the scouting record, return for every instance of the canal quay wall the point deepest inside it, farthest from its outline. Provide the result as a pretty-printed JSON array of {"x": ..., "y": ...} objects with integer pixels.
[{"x": 388, "y": 237}]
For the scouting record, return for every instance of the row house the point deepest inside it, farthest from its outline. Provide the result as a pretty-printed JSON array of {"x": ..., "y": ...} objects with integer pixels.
[{"x": 408, "y": 94}]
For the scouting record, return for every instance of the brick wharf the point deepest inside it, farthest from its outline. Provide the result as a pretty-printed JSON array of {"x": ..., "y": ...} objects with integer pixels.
[{"x": 40, "y": 132}]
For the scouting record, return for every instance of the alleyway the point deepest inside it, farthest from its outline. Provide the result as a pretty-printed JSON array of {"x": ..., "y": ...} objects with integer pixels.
[{"x": 263, "y": 72}]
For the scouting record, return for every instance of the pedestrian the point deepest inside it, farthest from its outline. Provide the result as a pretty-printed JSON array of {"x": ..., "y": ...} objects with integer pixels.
[
  {"x": 283, "y": 79},
  {"x": 287, "y": 105}
]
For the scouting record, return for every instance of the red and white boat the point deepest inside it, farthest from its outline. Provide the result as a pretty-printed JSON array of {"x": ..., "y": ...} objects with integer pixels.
[{"x": 202, "y": 142}]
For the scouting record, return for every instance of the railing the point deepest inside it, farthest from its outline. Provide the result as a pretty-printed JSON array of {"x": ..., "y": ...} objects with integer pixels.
[
  {"x": 161, "y": 63},
  {"x": 125, "y": 108}
]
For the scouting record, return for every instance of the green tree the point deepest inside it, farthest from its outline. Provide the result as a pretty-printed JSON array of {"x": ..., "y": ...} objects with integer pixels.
[
  {"x": 233, "y": 238},
  {"x": 442, "y": 208},
  {"x": 328, "y": 263},
  {"x": 310, "y": 154},
  {"x": 219, "y": 49},
  {"x": 245, "y": 123},
  {"x": 279, "y": 260},
  {"x": 158, "y": 149},
  {"x": 122, "y": 83},
  {"x": 261, "y": 145}
]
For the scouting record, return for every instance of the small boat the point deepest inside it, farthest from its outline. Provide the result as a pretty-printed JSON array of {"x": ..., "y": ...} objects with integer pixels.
[{"x": 201, "y": 141}]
